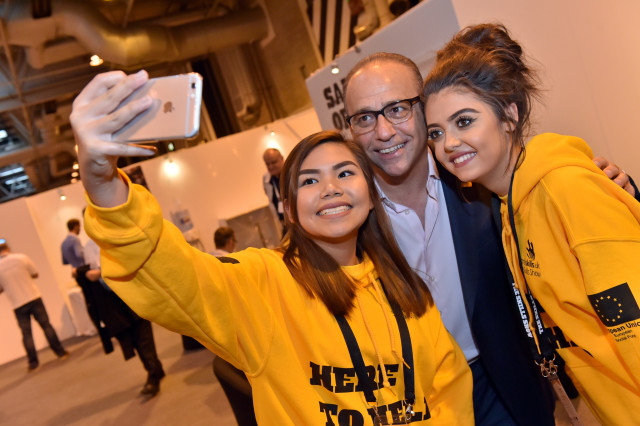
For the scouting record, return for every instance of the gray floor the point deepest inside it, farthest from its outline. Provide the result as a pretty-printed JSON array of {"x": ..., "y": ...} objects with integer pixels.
[{"x": 91, "y": 388}]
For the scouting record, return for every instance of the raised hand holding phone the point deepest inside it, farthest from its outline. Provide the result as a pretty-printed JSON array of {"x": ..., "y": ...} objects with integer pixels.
[
  {"x": 174, "y": 112},
  {"x": 95, "y": 116}
]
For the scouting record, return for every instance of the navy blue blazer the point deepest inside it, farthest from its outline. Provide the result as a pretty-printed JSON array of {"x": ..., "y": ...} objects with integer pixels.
[{"x": 488, "y": 296}]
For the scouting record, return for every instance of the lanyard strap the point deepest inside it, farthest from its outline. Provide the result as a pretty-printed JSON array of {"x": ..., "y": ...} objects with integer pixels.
[
  {"x": 356, "y": 359},
  {"x": 543, "y": 353},
  {"x": 358, "y": 362},
  {"x": 407, "y": 355},
  {"x": 543, "y": 349}
]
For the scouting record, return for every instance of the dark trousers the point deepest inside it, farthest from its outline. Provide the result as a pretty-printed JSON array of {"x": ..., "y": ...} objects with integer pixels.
[
  {"x": 142, "y": 340},
  {"x": 92, "y": 310},
  {"x": 36, "y": 309},
  {"x": 488, "y": 408},
  {"x": 237, "y": 389}
]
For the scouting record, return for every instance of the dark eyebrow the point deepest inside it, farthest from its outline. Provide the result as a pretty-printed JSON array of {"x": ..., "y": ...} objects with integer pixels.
[
  {"x": 454, "y": 115},
  {"x": 462, "y": 111},
  {"x": 362, "y": 111},
  {"x": 335, "y": 167},
  {"x": 343, "y": 164}
]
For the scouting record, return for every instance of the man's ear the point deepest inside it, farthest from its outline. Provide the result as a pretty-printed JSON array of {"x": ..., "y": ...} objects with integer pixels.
[
  {"x": 512, "y": 114},
  {"x": 287, "y": 210}
]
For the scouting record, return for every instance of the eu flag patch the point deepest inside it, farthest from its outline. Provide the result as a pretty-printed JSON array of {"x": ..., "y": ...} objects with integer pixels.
[{"x": 615, "y": 306}]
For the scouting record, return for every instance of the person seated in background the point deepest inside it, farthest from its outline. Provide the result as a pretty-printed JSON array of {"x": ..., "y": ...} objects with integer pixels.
[{"x": 225, "y": 240}]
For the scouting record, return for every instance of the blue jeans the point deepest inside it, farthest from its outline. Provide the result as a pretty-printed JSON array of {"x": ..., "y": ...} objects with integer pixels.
[
  {"x": 23, "y": 315},
  {"x": 487, "y": 405}
]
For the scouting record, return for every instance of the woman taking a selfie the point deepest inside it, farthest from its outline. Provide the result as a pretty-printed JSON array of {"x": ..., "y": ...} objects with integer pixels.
[
  {"x": 570, "y": 234},
  {"x": 331, "y": 328}
]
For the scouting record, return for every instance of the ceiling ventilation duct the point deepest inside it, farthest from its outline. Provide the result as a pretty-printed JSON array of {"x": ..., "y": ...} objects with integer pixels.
[
  {"x": 137, "y": 45},
  {"x": 69, "y": 29}
]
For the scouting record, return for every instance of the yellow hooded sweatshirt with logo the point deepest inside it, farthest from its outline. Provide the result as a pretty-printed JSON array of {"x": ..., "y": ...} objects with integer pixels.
[
  {"x": 252, "y": 313},
  {"x": 579, "y": 240}
]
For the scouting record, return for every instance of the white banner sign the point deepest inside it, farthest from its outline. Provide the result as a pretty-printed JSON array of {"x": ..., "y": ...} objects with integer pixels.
[{"x": 417, "y": 34}]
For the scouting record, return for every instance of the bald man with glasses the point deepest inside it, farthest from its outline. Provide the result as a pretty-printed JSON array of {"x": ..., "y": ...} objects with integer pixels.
[{"x": 449, "y": 237}]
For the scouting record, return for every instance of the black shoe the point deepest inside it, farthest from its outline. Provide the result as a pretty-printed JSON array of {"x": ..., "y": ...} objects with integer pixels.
[
  {"x": 64, "y": 355},
  {"x": 152, "y": 387},
  {"x": 33, "y": 366}
]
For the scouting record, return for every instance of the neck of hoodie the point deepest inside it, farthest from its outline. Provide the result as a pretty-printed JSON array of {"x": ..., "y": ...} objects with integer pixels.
[{"x": 366, "y": 279}]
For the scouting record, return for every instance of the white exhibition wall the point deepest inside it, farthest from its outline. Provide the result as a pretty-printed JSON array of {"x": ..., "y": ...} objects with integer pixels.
[
  {"x": 590, "y": 65},
  {"x": 215, "y": 181},
  {"x": 590, "y": 61},
  {"x": 586, "y": 52}
]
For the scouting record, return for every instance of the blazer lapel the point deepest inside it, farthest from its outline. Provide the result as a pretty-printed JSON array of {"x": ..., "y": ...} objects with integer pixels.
[{"x": 469, "y": 215}]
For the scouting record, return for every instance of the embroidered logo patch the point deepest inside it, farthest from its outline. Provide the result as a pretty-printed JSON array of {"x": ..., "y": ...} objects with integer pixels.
[
  {"x": 531, "y": 254},
  {"x": 615, "y": 306}
]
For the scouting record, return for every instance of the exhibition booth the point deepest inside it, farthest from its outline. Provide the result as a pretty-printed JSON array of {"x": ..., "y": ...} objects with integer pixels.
[{"x": 589, "y": 66}]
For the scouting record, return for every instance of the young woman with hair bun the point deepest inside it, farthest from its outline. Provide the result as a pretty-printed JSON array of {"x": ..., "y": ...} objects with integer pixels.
[{"x": 570, "y": 234}]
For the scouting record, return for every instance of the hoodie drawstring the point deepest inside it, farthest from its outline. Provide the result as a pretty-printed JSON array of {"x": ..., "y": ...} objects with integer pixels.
[{"x": 378, "y": 293}]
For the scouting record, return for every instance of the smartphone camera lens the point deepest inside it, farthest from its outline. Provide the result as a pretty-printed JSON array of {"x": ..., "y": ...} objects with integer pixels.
[{"x": 193, "y": 85}]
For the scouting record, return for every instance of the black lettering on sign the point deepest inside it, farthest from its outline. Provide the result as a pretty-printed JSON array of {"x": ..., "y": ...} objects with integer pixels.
[
  {"x": 350, "y": 418},
  {"x": 330, "y": 410},
  {"x": 337, "y": 88},
  {"x": 321, "y": 376},
  {"x": 371, "y": 374},
  {"x": 331, "y": 102},
  {"x": 391, "y": 370},
  {"x": 560, "y": 339},
  {"x": 338, "y": 119},
  {"x": 397, "y": 412},
  {"x": 343, "y": 376}
]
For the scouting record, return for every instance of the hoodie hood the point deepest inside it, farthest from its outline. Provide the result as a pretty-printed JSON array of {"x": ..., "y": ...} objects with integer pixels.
[
  {"x": 363, "y": 273},
  {"x": 544, "y": 153}
]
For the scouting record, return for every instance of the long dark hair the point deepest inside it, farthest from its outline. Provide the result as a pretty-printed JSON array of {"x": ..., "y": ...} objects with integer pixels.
[
  {"x": 485, "y": 60},
  {"x": 317, "y": 272}
]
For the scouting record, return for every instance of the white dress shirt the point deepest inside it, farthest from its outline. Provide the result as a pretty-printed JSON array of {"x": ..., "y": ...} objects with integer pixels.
[{"x": 430, "y": 252}]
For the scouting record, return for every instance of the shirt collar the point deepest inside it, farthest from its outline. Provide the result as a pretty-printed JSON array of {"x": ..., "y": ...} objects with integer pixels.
[{"x": 434, "y": 176}]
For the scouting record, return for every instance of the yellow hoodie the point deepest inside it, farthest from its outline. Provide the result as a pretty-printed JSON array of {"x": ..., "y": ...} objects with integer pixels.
[
  {"x": 579, "y": 240},
  {"x": 252, "y": 313}
]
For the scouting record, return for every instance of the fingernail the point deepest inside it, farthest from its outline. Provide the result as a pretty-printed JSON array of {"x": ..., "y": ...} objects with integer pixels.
[{"x": 140, "y": 75}]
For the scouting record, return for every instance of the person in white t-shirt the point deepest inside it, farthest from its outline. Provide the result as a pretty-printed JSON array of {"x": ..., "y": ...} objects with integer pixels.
[{"x": 17, "y": 273}]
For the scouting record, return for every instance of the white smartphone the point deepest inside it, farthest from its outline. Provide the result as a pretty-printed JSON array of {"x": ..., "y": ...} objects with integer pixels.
[{"x": 174, "y": 113}]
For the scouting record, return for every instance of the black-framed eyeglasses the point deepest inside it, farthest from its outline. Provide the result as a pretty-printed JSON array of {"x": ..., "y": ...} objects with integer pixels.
[{"x": 395, "y": 112}]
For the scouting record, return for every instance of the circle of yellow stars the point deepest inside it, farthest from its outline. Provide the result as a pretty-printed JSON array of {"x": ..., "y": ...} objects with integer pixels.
[{"x": 613, "y": 320}]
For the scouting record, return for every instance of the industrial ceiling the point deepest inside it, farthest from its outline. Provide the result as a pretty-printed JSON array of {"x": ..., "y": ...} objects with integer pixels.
[{"x": 260, "y": 51}]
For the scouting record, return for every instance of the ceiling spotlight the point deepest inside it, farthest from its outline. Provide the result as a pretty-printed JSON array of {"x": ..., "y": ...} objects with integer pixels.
[
  {"x": 74, "y": 180},
  {"x": 95, "y": 61},
  {"x": 171, "y": 169},
  {"x": 74, "y": 174},
  {"x": 61, "y": 194},
  {"x": 75, "y": 166},
  {"x": 171, "y": 146},
  {"x": 334, "y": 68}
]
